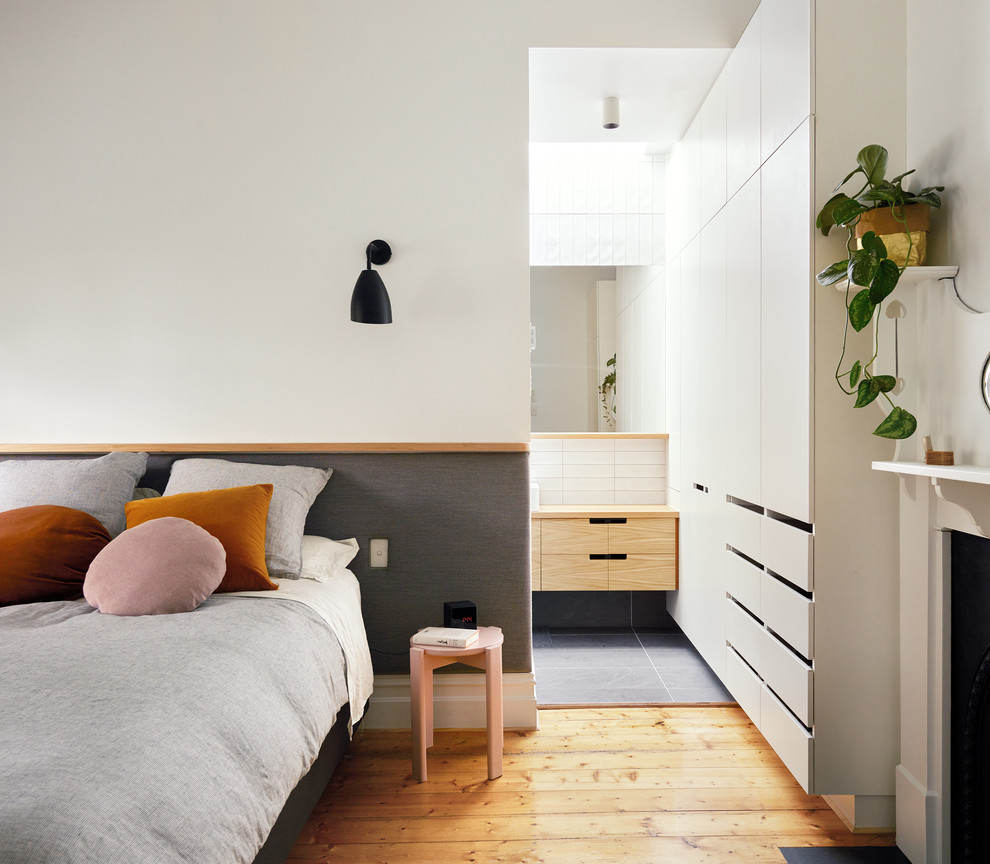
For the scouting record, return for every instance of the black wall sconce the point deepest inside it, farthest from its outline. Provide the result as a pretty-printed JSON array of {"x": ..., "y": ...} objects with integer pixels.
[{"x": 369, "y": 302}]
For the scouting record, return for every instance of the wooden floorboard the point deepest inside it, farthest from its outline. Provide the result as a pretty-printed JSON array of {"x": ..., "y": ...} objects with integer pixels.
[{"x": 679, "y": 785}]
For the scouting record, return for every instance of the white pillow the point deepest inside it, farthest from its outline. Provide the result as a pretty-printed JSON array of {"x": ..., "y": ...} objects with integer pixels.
[{"x": 323, "y": 557}]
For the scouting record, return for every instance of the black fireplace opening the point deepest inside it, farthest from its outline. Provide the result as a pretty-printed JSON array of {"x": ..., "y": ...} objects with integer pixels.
[{"x": 970, "y": 698}]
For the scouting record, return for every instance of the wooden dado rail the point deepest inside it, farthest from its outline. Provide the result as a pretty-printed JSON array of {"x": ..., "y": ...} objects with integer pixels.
[{"x": 322, "y": 447}]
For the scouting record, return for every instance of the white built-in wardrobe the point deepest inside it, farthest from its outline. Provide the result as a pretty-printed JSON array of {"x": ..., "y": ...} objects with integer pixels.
[{"x": 788, "y": 571}]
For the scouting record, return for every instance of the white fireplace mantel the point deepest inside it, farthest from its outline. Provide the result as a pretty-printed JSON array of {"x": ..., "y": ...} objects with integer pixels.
[{"x": 934, "y": 499}]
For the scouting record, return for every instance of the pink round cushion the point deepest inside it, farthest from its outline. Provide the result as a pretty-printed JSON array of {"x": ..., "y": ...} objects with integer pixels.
[{"x": 161, "y": 566}]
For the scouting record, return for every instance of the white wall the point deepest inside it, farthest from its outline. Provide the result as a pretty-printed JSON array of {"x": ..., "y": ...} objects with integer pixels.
[
  {"x": 561, "y": 364},
  {"x": 948, "y": 142},
  {"x": 188, "y": 189}
]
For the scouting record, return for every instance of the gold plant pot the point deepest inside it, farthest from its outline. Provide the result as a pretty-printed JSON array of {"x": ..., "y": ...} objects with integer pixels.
[{"x": 891, "y": 230}]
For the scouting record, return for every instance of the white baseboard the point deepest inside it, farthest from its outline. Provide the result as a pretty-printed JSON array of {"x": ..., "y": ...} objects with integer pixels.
[
  {"x": 916, "y": 827},
  {"x": 864, "y": 814},
  {"x": 458, "y": 702}
]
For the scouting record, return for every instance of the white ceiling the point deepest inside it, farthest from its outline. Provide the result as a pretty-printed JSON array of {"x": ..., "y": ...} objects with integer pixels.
[{"x": 659, "y": 89}]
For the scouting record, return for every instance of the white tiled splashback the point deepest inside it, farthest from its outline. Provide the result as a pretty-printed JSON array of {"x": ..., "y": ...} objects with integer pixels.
[{"x": 599, "y": 470}]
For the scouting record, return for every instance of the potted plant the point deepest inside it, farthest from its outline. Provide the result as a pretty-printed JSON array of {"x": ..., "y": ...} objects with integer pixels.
[
  {"x": 607, "y": 391},
  {"x": 887, "y": 226}
]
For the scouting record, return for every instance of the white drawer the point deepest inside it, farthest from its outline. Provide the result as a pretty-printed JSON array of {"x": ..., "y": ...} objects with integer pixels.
[
  {"x": 743, "y": 684},
  {"x": 788, "y": 613},
  {"x": 791, "y": 741},
  {"x": 743, "y": 633},
  {"x": 787, "y": 676},
  {"x": 787, "y": 551},
  {"x": 742, "y": 581},
  {"x": 743, "y": 530}
]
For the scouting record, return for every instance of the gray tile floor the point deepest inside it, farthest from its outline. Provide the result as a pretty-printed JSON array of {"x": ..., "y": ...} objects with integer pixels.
[{"x": 601, "y": 666}]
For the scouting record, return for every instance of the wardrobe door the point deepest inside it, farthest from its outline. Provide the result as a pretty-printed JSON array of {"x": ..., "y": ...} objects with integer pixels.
[
  {"x": 785, "y": 70},
  {"x": 743, "y": 328},
  {"x": 786, "y": 280}
]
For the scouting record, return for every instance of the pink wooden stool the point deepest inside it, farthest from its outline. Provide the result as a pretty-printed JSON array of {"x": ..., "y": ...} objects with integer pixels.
[{"x": 485, "y": 654}]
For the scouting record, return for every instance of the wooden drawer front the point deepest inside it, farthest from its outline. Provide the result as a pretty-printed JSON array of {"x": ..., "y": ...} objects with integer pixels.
[
  {"x": 535, "y": 535},
  {"x": 573, "y": 573},
  {"x": 743, "y": 684},
  {"x": 643, "y": 573},
  {"x": 788, "y": 677},
  {"x": 742, "y": 581},
  {"x": 788, "y": 552},
  {"x": 743, "y": 530},
  {"x": 573, "y": 537},
  {"x": 789, "y": 614},
  {"x": 651, "y": 536},
  {"x": 791, "y": 741},
  {"x": 744, "y": 634}
]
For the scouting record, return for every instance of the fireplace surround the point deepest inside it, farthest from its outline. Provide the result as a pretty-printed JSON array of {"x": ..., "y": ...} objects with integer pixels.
[{"x": 936, "y": 502}]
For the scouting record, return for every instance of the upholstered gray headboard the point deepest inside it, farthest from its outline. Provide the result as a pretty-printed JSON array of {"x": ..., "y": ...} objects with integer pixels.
[{"x": 457, "y": 526}]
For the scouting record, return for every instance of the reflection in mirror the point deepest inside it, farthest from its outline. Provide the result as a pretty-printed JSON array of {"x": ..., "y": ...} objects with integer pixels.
[
  {"x": 597, "y": 361},
  {"x": 564, "y": 362}
]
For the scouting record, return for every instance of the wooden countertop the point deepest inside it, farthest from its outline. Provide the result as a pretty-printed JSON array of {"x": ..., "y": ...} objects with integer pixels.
[{"x": 593, "y": 511}]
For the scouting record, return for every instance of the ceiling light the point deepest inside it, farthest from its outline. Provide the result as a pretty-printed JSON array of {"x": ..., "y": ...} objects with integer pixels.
[{"x": 610, "y": 113}]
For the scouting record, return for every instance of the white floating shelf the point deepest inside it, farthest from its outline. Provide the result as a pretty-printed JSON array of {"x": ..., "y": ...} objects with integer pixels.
[
  {"x": 914, "y": 275},
  {"x": 963, "y": 473}
]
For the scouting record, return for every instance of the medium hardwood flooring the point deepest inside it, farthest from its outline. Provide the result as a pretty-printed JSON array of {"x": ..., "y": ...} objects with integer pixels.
[{"x": 678, "y": 785}]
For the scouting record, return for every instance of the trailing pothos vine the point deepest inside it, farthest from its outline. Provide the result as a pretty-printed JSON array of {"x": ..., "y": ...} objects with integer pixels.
[{"x": 873, "y": 273}]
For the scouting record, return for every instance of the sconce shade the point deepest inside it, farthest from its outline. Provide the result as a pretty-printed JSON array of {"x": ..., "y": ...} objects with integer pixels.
[{"x": 369, "y": 302}]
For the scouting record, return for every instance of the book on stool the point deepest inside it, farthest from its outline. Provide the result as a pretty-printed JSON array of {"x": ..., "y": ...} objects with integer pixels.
[{"x": 447, "y": 637}]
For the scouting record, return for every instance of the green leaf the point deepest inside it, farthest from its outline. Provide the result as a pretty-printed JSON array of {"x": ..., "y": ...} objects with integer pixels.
[
  {"x": 884, "y": 383},
  {"x": 884, "y": 281},
  {"x": 826, "y": 221},
  {"x": 862, "y": 267},
  {"x": 929, "y": 198},
  {"x": 873, "y": 160},
  {"x": 855, "y": 373},
  {"x": 844, "y": 212},
  {"x": 861, "y": 310},
  {"x": 833, "y": 273},
  {"x": 874, "y": 245},
  {"x": 898, "y": 424},
  {"x": 900, "y": 177},
  {"x": 866, "y": 393},
  {"x": 847, "y": 178}
]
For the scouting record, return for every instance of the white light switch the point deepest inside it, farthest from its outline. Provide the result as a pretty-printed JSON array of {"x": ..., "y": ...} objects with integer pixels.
[{"x": 378, "y": 553}]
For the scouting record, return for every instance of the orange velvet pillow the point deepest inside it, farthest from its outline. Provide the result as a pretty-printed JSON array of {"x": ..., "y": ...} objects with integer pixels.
[
  {"x": 237, "y": 517},
  {"x": 45, "y": 551}
]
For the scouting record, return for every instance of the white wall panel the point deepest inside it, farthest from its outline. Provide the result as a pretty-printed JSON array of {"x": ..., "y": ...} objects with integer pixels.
[
  {"x": 713, "y": 155},
  {"x": 787, "y": 327},
  {"x": 742, "y": 108},
  {"x": 785, "y": 70},
  {"x": 743, "y": 340}
]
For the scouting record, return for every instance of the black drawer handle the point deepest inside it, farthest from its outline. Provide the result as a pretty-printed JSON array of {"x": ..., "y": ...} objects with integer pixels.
[
  {"x": 608, "y": 520},
  {"x": 609, "y": 557}
]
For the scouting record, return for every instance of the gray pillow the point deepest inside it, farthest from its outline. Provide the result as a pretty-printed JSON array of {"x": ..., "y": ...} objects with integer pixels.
[
  {"x": 295, "y": 489},
  {"x": 99, "y": 486}
]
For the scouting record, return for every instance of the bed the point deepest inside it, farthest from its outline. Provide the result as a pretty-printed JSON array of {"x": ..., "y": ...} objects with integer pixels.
[{"x": 203, "y": 737}]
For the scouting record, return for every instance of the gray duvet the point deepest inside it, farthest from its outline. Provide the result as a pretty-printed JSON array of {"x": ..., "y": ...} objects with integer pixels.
[{"x": 164, "y": 738}]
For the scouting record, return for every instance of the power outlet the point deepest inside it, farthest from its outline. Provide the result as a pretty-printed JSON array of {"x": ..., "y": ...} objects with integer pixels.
[{"x": 378, "y": 553}]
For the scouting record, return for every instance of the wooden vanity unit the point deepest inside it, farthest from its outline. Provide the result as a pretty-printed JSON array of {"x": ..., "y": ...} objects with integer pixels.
[{"x": 605, "y": 548}]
